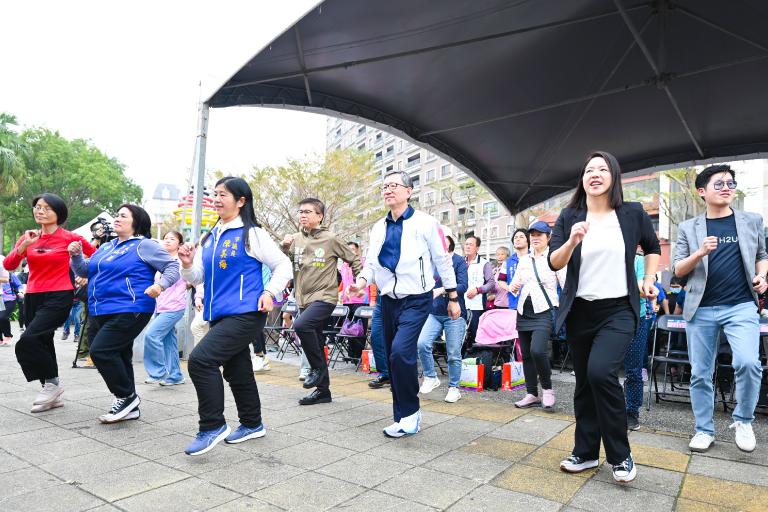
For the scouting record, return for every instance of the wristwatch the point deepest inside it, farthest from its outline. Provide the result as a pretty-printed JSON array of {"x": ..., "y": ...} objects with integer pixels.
[{"x": 453, "y": 299}]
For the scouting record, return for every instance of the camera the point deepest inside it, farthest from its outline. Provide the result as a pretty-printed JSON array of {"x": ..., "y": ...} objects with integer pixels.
[{"x": 101, "y": 231}]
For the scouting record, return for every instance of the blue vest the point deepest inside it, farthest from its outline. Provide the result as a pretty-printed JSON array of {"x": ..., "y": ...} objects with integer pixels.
[
  {"x": 118, "y": 277},
  {"x": 233, "y": 279}
]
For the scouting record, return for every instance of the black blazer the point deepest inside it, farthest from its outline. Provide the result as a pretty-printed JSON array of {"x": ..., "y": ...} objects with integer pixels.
[{"x": 636, "y": 228}]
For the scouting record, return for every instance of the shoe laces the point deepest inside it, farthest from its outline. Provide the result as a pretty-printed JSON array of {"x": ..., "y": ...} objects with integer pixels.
[
  {"x": 741, "y": 426},
  {"x": 626, "y": 465},
  {"x": 117, "y": 404},
  {"x": 573, "y": 459}
]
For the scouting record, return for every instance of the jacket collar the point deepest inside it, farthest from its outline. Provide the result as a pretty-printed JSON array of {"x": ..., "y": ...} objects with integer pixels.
[{"x": 407, "y": 214}]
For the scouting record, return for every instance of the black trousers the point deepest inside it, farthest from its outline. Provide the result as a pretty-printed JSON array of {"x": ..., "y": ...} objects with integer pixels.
[
  {"x": 112, "y": 349},
  {"x": 309, "y": 327},
  {"x": 44, "y": 313},
  {"x": 472, "y": 327},
  {"x": 5, "y": 315},
  {"x": 599, "y": 333},
  {"x": 535, "y": 348},
  {"x": 227, "y": 344}
]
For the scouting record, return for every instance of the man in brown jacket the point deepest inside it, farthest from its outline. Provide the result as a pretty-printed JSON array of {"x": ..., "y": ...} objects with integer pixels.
[{"x": 315, "y": 252}]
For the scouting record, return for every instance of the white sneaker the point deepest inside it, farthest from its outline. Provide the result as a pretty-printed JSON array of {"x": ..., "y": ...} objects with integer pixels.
[
  {"x": 50, "y": 393},
  {"x": 151, "y": 380},
  {"x": 260, "y": 364},
  {"x": 47, "y": 407},
  {"x": 453, "y": 395},
  {"x": 429, "y": 384},
  {"x": 405, "y": 427},
  {"x": 702, "y": 441},
  {"x": 303, "y": 373},
  {"x": 745, "y": 437},
  {"x": 574, "y": 464}
]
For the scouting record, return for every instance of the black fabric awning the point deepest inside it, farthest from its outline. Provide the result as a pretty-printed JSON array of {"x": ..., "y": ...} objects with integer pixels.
[{"x": 517, "y": 92}]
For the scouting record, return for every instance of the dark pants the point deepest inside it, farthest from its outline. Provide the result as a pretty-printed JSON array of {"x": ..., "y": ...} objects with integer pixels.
[
  {"x": 88, "y": 331},
  {"x": 472, "y": 327},
  {"x": 22, "y": 317},
  {"x": 535, "y": 348},
  {"x": 112, "y": 349},
  {"x": 402, "y": 320},
  {"x": 259, "y": 342},
  {"x": 599, "y": 333},
  {"x": 227, "y": 344},
  {"x": 377, "y": 342},
  {"x": 309, "y": 327},
  {"x": 5, "y": 322},
  {"x": 44, "y": 313}
]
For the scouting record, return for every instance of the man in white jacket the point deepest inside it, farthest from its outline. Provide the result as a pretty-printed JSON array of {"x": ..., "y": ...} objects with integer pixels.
[{"x": 405, "y": 248}]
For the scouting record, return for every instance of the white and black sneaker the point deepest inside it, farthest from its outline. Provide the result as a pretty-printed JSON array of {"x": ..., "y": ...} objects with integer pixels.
[
  {"x": 626, "y": 471},
  {"x": 574, "y": 464},
  {"x": 121, "y": 408}
]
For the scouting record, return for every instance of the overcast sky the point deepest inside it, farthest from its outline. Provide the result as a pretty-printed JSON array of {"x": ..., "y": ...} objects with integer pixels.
[{"x": 125, "y": 75}]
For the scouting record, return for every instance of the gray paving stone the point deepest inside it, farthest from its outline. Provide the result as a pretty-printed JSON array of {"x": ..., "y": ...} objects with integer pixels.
[
  {"x": 728, "y": 470},
  {"x": 246, "y": 504},
  {"x": 666, "y": 442},
  {"x": 273, "y": 441},
  {"x": 428, "y": 487},
  {"x": 660, "y": 481},
  {"x": 309, "y": 492},
  {"x": 597, "y": 495},
  {"x": 728, "y": 451},
  {"x": 84, "y": 467},
  {"x": 187, "y": 425},
  {"x": 365, "y": 470},
  {"x": 190, "y": 494},
  {"x": 72, "y": 412},
  {"x": 57, "y": 450},
  {"x": 26, "y": 480},
  {"x": 494, "y": 499},
  {"x": 409, "y": 450},
  {"x": 126, "y": 482},
  {"x": 469, "y": 465},
  {"x": 530, "y": 429},
  {"x": 252, "y": 474},
  {"x": 160, "y": 447},
  {"x": 221, "y": 456},
  {"x": 311, "y": 454},
  {"x": 9, "y": 462},
  {"x": 312, "y": 429},
  {"x": 356, "y": 438},
  {"x": 59, "y": 498},
  {"x": 120, "y": 434},
  {"x": 381, "y": 502},
  {"x": 354, "y": 417}
]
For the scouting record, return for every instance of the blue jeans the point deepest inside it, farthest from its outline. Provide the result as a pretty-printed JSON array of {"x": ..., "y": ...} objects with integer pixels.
[
  {"x": 740, "y": 323},
  {"x": 454, "y": 336},
  {"x": 377, "y": 342},
  {"x": 161, "y": 347},
  {"x": 74, "y": 318}
]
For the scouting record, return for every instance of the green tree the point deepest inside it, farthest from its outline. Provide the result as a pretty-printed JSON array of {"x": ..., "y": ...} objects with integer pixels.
[
  {"x": 11, "y": 153},
  {"x": 344, "y": 180},
  {"x": 86, "y": 179}
]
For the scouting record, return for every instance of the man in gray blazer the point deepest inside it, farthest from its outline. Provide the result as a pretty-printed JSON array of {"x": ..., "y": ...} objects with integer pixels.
[{"x": 722, "y": 256}]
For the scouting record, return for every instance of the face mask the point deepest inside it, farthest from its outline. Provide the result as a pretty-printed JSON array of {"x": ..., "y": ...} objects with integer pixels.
[{"x": 675, "y": 289}]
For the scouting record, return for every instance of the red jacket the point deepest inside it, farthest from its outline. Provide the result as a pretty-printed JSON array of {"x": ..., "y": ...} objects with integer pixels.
[{"x": 48, "y": 261}]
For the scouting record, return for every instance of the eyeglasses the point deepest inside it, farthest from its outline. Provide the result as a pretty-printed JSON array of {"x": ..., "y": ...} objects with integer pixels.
[
  {"x": 392, "y": 186},
  {"x": 719, "y": 184},
  {"x": 306, "y": 212},
  {"x": 42, "y": 209}
]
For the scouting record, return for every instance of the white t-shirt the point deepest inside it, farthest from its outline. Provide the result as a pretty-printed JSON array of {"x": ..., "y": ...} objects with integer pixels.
[{"x": 603, "y": 271}]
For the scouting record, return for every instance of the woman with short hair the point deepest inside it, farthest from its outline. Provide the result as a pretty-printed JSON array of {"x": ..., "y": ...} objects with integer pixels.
[
  {"x": 121, "y": 299},
  {"x": 48, "y": 295}
]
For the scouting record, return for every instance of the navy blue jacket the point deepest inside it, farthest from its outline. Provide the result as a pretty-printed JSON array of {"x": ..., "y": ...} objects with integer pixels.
[{"x": 440, "y": 304}]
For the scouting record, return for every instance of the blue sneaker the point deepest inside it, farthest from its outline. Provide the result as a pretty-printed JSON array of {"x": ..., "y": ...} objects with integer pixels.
[
  {"x": 244, "y": 433},
  {"x": 205, "y": 441}
]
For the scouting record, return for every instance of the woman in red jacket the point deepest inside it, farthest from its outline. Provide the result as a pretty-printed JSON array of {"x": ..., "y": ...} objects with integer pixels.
[{"x": 49, "y": 294}]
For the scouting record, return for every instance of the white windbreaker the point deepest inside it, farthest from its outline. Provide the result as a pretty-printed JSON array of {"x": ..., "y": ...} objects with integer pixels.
[{"x": 422, "y": 249}]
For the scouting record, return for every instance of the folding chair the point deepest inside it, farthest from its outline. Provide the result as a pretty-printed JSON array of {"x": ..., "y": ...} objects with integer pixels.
[
  {"x": 333, "y": 327},
  {"x": 274, "y": 326},
  {"x": 340, "y": 349},
  {"x": 287, "y": 334},
  {"x": 669, "y": 325}
]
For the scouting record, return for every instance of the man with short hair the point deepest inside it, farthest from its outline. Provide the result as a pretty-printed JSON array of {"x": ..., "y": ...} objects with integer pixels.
[
  {"x": 722, "y": 255},
  {"x": 315, "y": 252},
  {"x": 480, "y": 272},
  {"x": 405, "y": 249}
]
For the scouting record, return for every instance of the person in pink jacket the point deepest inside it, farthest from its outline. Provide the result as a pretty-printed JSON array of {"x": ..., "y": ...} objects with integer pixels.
[{"x": 161, "y": 345}]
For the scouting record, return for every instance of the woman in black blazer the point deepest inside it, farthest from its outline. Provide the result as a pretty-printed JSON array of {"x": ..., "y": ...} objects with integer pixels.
[{"x": 596, "y": 235}]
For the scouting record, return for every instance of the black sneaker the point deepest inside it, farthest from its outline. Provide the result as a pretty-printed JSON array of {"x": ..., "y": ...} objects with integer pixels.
[
  {"x": 574, "y": 464},
  {"x": 316, "y": 397},
  {"x": 379, "y": 382},
  {"x": 633, "y": 421},
  {"x": 626, "y": 471},
  {"x": 121, "y": 408}
]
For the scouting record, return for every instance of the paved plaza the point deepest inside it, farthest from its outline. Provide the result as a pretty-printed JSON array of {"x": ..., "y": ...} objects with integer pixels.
[{"x": 474, "y": 455}]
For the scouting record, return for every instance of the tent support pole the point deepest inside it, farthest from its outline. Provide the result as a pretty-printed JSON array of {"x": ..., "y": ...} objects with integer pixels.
[
  {"x": 302, "y": 64},
  {"x": 199, "y": 172}
]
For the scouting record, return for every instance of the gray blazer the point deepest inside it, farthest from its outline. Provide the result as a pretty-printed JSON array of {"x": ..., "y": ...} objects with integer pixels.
[{"x": 749, "y": 228}]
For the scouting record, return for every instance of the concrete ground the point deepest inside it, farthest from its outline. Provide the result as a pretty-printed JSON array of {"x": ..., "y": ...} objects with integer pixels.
[{"x": 478, "y": 454}]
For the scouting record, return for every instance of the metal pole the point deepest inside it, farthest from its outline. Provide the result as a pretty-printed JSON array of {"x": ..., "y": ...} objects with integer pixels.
[{"x": 198, "y": 179}]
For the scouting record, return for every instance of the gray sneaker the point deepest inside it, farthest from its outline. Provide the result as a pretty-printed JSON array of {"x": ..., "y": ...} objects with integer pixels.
[{"x": 50, "y": 393}]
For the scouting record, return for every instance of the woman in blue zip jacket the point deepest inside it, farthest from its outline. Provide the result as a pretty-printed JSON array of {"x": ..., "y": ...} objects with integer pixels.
[
  {"x": 121, "y": 300},
  {"x": 236, "y": 303}
]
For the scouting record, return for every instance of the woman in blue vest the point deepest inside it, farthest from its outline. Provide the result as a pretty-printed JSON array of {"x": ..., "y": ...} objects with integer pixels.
[
  {"x": 121, "y": 300},
  {"x": 236, "y": 303}
]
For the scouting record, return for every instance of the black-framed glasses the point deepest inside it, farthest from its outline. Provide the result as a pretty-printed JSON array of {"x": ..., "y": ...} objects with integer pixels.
[
  {"x": 42, "y": 209},
  {"x": 719, "y": 184},
  {"x": 391, "y": 186},
  {"x": 306, "y": 212}
]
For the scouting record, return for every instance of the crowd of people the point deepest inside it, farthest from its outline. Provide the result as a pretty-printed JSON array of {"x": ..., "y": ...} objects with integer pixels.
[{"x": 593, "y": 276}]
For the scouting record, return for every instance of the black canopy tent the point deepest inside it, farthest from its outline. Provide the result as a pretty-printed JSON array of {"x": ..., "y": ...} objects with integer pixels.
[{"x": 516, "y": 92}]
